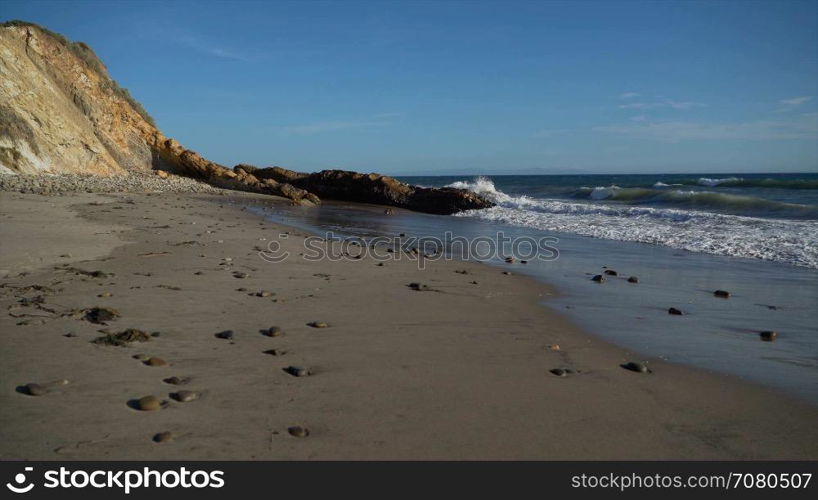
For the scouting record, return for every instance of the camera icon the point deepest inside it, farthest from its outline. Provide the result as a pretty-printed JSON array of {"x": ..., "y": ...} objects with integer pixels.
[{"x": 20, "y": 478}]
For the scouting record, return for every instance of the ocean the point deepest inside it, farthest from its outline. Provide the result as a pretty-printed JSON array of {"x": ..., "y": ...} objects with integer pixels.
[{"x": 684, "y": 236}]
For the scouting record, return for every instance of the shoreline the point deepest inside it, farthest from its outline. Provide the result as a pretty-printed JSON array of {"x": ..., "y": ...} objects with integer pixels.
[{"x": 470, "y": 385}]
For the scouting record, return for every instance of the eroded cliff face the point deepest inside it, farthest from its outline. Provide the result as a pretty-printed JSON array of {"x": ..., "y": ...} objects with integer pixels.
[
  {"x": 57, "y": 114},
  {"x": 60, "y": 112}
]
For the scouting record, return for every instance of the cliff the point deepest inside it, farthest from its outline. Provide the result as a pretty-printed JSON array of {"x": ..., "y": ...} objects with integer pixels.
[{"x": 61, "y": 113}]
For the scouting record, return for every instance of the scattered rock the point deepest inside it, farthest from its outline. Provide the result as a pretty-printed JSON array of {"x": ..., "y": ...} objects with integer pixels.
[
  {"x": 226, "y": 335},
  {"x": 298, "y": 431},
  {"x": 163, "y": 437},
  {"x": 675, "y": 312},
  {"x": 636, "y": 366},
  {"x": 768, "y": 335},
  {"x": 318, "y": 324},
  {"x": 33, "y": 389},
  {"x": 240, "y": 275},
  {"x": 264, "y": 293},
  {"x": 105, "y": 295},
  {"x": 275, "y": 352},
  {"x": 507, "y": 273},
  {"x": 420, "y": 287},
  {"x": 148, "y": 403},
  {"x": 722, "y": 293},
  {"x": 70, "y": 335},
  {"x": 298, "y": 371},
  {"x": 561, "y": 372},
  {"x": 554, "y": 347},
  {"x": 140, "y": 357},
  {"x": 123, "y": 338},
  {"x": 509, "y": 260},
  {"x": 273, "y": 331},
  {"x": 185, "y": 396},
  {"x": 176, "y": 380},
  {"x": 611, "y": 272},
  {"x": 100, "y": 315},
  {"x": 156, "y": 362},
  {"x": 633, "y": 279},
  {"x": 598, "y": 278}
]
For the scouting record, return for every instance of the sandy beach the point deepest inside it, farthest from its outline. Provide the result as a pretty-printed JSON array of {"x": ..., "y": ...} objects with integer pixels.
[{"x": 458, "y": 371}]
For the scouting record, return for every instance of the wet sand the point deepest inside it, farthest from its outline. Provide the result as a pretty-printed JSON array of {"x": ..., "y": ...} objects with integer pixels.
[{"x": 461, "y": 371}]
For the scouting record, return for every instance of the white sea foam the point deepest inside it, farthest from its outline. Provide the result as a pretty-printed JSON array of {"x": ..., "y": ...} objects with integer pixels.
[
  {"x": 704, "y": 181},
  {"x": 788, "y": 241}
]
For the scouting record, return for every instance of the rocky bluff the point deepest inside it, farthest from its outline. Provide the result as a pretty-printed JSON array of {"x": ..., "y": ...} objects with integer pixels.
[{"x": 61, "y": 112}]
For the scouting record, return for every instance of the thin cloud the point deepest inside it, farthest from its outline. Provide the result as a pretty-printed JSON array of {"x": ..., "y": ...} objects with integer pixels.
[
  {"x": 203, "y": 47},
  {"x": 629, "y": 95},
  {"x": 666, "y": 103},
  {"x": 379, "y": 120},
  {"x": 805, "y": 127},
  {"x": 791, "y": 104}
]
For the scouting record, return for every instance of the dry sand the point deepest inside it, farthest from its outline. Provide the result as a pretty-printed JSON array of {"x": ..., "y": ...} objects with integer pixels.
[{"x": 457, "y": 373}]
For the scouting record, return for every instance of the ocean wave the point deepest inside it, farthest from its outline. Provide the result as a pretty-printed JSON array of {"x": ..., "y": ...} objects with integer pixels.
[
  {"x": 759, "y": 183},
  {"x": 786, "y": 241},
  {"x": 719, "y": 202}
]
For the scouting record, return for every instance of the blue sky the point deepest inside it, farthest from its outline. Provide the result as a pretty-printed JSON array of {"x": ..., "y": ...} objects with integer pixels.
[{"x": 467, "y": 87}]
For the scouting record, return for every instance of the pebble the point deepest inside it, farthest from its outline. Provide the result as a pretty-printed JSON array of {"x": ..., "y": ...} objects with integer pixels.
[
  {"x": 509, "y": 260},
  {"x": 675, "y": 312},
  {"x": 561, "y": 372},
  {"x": 611, "y": 272},
  {"x": 100, "y": 314},
  {"x": 140, "y": 357},
  {"x": 33, "y": 389},
  {"x": 633, "y": 279},
  {"x": 598, "y": 278},
  {"x": 185, "y": 396},
  {"x": 636, "y": 366},
  {"x": 105, "y": 294},
  {"x": 264, "y": 293},
  {"x": 275, "y": 352},
  {"x": 149, "y": 403},
  {"x": 318, "y": 324},
  {"x": 163, "y": 437},
  {"x": 273, "y": 331},
  {"x": 176, "y": 380},
  {"x": 768, "y": 335},
  {"x": 298, "y": 431},
  {"x": 156, "y": 362},
  {"x": 240, "y": 275},
  {"x": 298, "y": 371},
  {"x": 722, "y": 293},
  {"x": 507, "y": 273},
  {"x": 554, "y": 347},
  {"x": 419, "y": 287},
  {"x": 227, "y": 335}
]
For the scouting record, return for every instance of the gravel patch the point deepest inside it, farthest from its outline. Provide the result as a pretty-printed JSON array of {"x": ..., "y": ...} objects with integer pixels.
[{"x": 50, "y": 184}]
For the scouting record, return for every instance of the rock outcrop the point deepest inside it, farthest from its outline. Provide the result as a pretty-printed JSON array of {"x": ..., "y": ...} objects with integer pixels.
[
  {"x": 373, "y": 188},
  {"x": 60, "y": 112}
]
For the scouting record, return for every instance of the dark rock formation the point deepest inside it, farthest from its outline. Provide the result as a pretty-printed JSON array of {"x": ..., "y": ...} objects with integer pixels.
[{"x": 371, "y": 188}]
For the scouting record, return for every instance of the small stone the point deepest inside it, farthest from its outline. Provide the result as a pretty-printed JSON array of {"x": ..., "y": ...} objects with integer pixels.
[
  {"x": 611, "y": 272},
  {"x": 559, "y": 372},
  {"x": 185, "y": 396},
  {"x": 240, "y": 275},
  {"x": 509, "y": 260},
  {"x": 148, "y": 403},
  {"x": 507, "y": 273},
  {"x": 70, "y": 335},
  {"x": 227, "y": 335},
  {"x": 33, "y": 389},
  {"x": 140, "y": 357},
  {"x": 273, "y": 331},
  {"x": 554, "y": 347},
  {"x": 636, "y": 366},
  {"x": 155, "y": 362},
  {"x": 298, "y": 371},
  {"x": 419, "y": 287},
  {"x": 123, "y": 338},
  {"x": 105, "y": 294},
  {"x": 633, "y": 279},
  {"x": 768, "y": 336},
  {"x": 264, "y": 293},
  {"x": 675, "y": 312},
  {"x": 598, "y": 278},
  {"x": 163, "y": 437},
  {"x": 176, "y": 380},
  {"x": 318, "y": 324},
  {"x": 298, "y": 431},
  {"x": 100, "y": 314},
  {"x": 724, "y": 294},
  {"x": 275, "y": 352}
]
